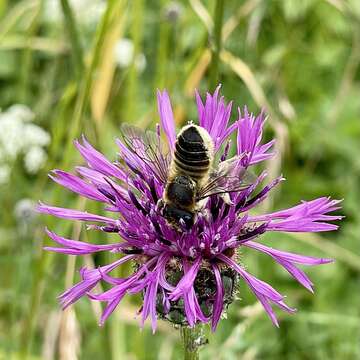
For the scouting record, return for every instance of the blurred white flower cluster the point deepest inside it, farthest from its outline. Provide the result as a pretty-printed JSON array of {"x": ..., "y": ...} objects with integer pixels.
[
  {"x": 19, "y": 136},
  {"x": 124, "y": 53},
  {"x": 86, "y": 12},
  {"x": 25, "y": 214},
  {"x": 173, "y": 10}
]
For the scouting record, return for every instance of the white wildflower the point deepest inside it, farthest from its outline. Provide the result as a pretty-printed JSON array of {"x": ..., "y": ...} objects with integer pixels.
[
  {"x": 124, "y": 55},
  {"x": 34, "y": 159},
  {"x": 25, "y": 214},
  {"x": 124, "y": 52},
  {"x": 173, "y": 10},
  {"x": 86, "y": 12},
  {"x": 24, "y": 210},
  {"x": 21, "y": 112},
  {"x": 10, "y": 136},
  {"x": 19, "y": 136},
  {"x": 35, "y": 136}
]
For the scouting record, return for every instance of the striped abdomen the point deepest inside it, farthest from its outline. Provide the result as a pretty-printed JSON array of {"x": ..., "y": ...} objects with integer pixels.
[{"x": 193, "y": 153}]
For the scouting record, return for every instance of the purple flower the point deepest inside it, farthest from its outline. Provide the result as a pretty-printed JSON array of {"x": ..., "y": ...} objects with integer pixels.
[{"x": 185, "y": 274}]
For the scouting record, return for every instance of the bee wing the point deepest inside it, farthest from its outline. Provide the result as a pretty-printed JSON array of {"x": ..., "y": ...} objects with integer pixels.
[
  {"x": 230, "y": 176},
  {"x": 147, "y": 146}
]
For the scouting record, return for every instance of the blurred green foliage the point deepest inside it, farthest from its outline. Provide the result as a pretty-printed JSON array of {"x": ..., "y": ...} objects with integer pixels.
[{"x": 297, "y": 59}]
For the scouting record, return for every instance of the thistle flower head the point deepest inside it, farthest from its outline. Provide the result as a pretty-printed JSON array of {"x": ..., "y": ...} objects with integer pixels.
[{"x": 185, "y": 275}]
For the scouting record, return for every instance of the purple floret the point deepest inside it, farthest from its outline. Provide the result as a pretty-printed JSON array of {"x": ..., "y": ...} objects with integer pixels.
[{"x": 131, "y": 190}]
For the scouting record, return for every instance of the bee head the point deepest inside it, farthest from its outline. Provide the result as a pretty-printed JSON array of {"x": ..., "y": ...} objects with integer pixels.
[
  {"x": 178, "y": 216},
  {"x": 181, "y": 191}
]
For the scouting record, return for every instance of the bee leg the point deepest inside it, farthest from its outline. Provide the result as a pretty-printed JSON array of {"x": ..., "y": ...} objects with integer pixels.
[
  {"x": 226, "y": 198},
  {"x": 160, "y": 205}
]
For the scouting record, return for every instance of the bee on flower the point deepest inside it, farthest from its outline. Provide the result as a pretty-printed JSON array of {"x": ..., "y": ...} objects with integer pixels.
[{"x": 182, "y": 214}]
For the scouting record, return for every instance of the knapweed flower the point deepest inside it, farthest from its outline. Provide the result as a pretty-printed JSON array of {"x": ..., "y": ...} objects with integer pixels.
[{"x": 185, "y": 275}]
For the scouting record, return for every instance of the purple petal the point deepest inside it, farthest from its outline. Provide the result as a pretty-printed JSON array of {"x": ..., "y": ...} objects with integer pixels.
[
  {"x": 166, "y": 117},
  {"x": 311, "y": 208},
  {"x": 268, "y": 309},
  {"x": 214, "y": 116},
  {"x": 219, "y": 299},
  {"x": 306, "y": 217},
  {"x": 74, "y": 247},
  {"x": 301, "y": 225},
  {"x": 192, "y": 308},
  {"x": 98, "y": 161},
  {"x": 122, "y": 285},
  {"x": 73, "y": 214},
  {"x": 201, "y": 110},
  {"x": 186, "y": 281},
  {"x": 110, "y": 307},
  {"x": 249, "y": 204},
  {"x": 288, "y": 256},
  {"x": 149, "y": 304},
  {"x": 286, "y": 260},
  {"x": 249, "y": 137},
  {"x": 90, "y": 280},
  {"x": 77, "y": 185},
  {"x": 264, "y": 292},
  {"x": 114, "y": 296},
  {"x": 256, "y": 284}
]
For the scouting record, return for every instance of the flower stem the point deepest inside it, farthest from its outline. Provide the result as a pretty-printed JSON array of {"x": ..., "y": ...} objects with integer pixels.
[
  {"x": 27, "y": 56},
  {"x": 86, "y": 84},
  {"x": 192, "y": 339},
  {"x": 77, "y": 52},
  {"x": 138, "y": 11},
  {"x": 216, "y": 46}
]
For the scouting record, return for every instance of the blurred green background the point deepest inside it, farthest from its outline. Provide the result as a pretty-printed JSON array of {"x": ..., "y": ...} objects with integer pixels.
[{"x": 84, "y": 66}]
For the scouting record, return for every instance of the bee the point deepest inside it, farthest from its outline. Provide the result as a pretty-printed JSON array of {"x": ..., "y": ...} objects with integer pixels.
[{"x": 187, "y": 173}]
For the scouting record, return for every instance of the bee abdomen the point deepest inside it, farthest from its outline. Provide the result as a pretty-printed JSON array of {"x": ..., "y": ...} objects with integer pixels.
[
  {"x": 197, "y": 161},
  {"x": 193, "y": 171},
  {"x": 195, "y": 166},
  {"x": 192, "y": 146},
  {"x": 191, "y": 156}
]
